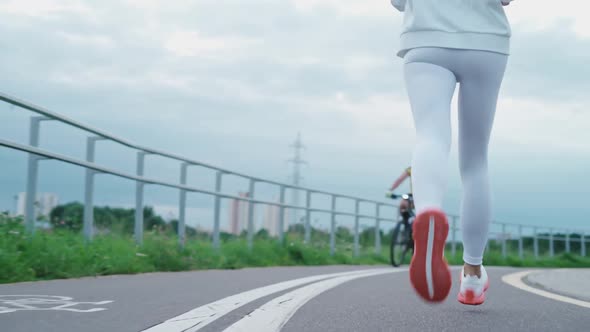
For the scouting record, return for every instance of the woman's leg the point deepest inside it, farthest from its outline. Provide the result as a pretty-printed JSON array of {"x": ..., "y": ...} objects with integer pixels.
[
  {"x": 480, "y": 80},
  {"x": 430, "y": 89}
]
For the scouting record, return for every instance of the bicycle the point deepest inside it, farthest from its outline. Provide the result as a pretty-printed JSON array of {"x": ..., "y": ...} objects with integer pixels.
[{"x": 401, "y": 237}]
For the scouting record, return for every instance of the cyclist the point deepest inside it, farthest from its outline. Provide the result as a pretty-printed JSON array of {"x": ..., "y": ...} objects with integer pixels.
[
  {"x": 404, "y": 205},
  {"x": 444, "y": 43}
]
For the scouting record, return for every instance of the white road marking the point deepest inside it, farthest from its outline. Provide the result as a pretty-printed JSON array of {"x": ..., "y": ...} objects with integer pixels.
[
  {"x": 14, "y": 303},
  {"x": 273, "y": 315},
  {"x": 515, "y": 279},
  {"x": 200, "y": 317}
]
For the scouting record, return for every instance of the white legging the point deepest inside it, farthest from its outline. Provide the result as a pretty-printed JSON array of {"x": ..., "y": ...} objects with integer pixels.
[{"x": 431, "y": 75}]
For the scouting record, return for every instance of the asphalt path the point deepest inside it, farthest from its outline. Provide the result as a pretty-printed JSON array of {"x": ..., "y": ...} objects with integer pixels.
[{"x": 334, "y": 298}]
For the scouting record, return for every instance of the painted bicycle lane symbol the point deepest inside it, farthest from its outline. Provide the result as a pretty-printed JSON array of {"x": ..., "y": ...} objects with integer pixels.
[{"x": 14, "y": 303}]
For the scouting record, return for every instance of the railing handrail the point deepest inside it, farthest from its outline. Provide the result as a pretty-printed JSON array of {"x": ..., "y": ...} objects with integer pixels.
[
  {"x": 54, "y": 116},
  {"x": 101, "y": 169}
]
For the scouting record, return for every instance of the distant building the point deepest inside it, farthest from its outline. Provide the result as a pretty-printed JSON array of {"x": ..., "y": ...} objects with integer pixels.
[
  {"x": 19, "y": 204},
  {"x": 44, "y": 204},
  {"x": 271, "y": 219},
  {"x": 238, "y": 214}
]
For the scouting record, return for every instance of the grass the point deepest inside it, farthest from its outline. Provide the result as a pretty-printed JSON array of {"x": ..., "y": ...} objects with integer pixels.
[{"x": 64, "y": 254}]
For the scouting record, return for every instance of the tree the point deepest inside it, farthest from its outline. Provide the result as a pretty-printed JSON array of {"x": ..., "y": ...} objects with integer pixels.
[
  {"x": 298, "y": 228},
  {"x": 367, "y": 236},
  {"x": 343, "y": 233},
  {"x": 172, "y": 227},
  {"x": 71, "y": 215},
  {"x": 262, "y": 234},
  {"x": 68, "y": 216},
  {"x": 151, "y": 220}
]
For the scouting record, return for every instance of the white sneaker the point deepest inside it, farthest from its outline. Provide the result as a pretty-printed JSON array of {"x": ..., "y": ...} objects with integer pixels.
[{"x": 472, "y": 290}]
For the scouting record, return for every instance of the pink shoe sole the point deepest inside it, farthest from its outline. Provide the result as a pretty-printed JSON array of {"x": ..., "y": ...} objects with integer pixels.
[{"x": 429, "y": 272}]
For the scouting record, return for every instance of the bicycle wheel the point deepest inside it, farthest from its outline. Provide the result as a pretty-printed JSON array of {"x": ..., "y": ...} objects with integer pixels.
[{"x": 399, "y": 244}]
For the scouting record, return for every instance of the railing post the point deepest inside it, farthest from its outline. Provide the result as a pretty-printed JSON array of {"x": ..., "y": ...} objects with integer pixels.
[
  {"x": 282, "y": 214},
  {"x": 454, "y": 237},
  {"x": 251, "y": 214},
  {"x": 88, "y": 228},
  {"x": 504, "y": 240},
  {"x": 356, "y": 227},
  {"x": 307, "y": 236},
  {"x": 139, "y": 199},
  {"x": 551, "y": 249},
  {"x": 32, "y": 175},
  {"x": 377, "y": 229},
  {"x": 217, "y": 210},
  {"x": 536, "y": 243},
  {"x": 520, "y": 249},
  {"x": 583, "y": 245},
  {"x": 333, "y": 227},
  {"x": 182, "y": 206},
  {"x": 567, "y": 241}
]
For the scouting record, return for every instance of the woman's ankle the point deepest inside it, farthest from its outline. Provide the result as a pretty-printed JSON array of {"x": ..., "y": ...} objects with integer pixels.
[{"x": 472, "y": 270}]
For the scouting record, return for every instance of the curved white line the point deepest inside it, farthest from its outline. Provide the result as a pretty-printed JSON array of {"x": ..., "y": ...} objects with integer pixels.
[
  {"x": 273, "y": 315},
  {"x": 515, "y": 280},
  {"x": 200, "y": 317}
]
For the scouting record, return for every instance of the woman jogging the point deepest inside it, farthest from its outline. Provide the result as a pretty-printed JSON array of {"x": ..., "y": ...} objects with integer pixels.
[{"x": 444, "y": 43}]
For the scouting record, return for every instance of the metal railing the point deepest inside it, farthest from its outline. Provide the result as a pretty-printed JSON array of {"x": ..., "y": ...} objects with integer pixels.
[
  {"x": 36, "y": 154},
  {"x": 503, "y": 238}
]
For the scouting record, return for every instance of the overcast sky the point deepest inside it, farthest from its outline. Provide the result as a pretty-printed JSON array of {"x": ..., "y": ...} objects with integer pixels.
[{"x": 232, "y": 82}]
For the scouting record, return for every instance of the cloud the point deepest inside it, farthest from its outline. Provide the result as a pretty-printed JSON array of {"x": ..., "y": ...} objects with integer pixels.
[
  {"x": 346, "y": 7},
  {"x": 232, "y": 82},
  {"x": 192, "y": 43},
  {"x": 546, "y": 14},
  {"x": 552, "y": 127},
  {"x": 46, "y": 9},
  {"x": 549, "y": 64},
  {"x": 87, "y": 40}
]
